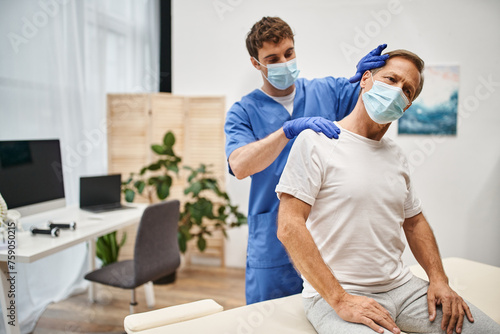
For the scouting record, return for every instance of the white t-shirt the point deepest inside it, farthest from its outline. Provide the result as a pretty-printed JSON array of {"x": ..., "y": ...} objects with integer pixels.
[
  {"x": 286, "y": 101},
  {"x": 360, "y": 193}
]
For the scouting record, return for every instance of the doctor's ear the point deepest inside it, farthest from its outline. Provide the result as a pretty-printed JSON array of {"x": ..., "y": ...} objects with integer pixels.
[{"x": 255, "y": 63}]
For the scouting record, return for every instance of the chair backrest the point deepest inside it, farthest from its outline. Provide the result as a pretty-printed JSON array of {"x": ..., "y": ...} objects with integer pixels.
[{"x": 156, "y": 252}]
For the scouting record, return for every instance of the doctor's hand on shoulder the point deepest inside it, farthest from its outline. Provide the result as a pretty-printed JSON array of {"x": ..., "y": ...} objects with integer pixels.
[{"x": 319, "y": 124}]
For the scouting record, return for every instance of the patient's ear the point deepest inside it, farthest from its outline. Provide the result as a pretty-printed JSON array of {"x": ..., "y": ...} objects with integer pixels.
[{"x": 366, "y": 76}]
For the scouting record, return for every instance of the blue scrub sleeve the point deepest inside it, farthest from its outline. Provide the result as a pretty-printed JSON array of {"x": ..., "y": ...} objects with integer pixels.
[
  {"x": 347, "y": 95},
  {"x": 238, "y": 130}
]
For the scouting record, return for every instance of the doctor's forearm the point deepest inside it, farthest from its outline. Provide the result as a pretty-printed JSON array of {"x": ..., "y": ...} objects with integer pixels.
[
  {"x": 257, "y": 156},
  {"x": 424, "y": 247}
]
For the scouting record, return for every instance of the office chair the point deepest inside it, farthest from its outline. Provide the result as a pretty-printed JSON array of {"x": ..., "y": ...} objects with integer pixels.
[{"x": 156, "y": 251}]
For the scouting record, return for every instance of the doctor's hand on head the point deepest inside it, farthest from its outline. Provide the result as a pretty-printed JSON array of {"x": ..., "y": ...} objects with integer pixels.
[{"x": 370, "y": 61}]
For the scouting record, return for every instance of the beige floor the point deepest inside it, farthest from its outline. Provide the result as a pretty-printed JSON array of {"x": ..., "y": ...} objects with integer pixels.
[{"x": 77, "y": 315}]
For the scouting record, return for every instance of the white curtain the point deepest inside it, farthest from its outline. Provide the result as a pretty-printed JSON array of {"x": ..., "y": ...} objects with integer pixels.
[{"x": 58, "y": 60}]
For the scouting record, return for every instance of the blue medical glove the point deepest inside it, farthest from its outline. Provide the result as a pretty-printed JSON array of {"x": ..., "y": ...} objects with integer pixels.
[
  {"x": 370, "y": 61},
  {"x": 319, "y": 124}
]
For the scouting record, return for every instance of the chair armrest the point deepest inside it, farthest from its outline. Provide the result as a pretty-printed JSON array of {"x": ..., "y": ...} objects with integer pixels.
[{"x": 141, "y": 321}]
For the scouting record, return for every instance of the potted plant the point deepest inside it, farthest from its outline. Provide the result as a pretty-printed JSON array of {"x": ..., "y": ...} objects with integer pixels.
[
  {"x": 199, "y": 210},
  {"x": 107, "y": 247},
  {"x": 206, "y": 209}
]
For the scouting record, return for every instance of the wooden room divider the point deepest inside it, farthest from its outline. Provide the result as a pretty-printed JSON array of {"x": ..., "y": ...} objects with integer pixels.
[{"x": 136, "y": 121}]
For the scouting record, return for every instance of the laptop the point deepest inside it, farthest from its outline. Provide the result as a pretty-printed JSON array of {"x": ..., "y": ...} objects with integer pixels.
[{"x": 101, "y": 193}]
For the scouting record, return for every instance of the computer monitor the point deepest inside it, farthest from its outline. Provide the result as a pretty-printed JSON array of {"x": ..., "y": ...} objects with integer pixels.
[{"x": 31, "y": 176}]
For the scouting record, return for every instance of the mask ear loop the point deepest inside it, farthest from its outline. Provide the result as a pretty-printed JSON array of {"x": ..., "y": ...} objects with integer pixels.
[
  {"x": 259, "y": 62},
  {"x": 373, "y": 80},
  {"x": 261, "y": 70},
  {"x": 408, "y": 106}
]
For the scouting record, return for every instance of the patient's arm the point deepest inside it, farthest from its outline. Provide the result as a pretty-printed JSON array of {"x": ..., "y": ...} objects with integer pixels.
[
  {"x": 295, "y": 236},
  {"x": 424, "y": 247}
]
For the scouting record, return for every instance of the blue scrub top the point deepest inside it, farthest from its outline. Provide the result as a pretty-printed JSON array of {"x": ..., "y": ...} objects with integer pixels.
[{"x": 255, "y": 117}]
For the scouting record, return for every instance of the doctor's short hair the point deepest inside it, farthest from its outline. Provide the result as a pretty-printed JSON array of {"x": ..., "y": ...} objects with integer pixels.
[
  {"x": 268, "y": 29},
  {"x": 416, "y": 60}
]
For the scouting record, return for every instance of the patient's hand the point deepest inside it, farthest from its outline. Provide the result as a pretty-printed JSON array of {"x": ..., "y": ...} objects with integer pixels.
[
  {"x": 454, "y": 307},
  {"x": 365, "y": 311}
]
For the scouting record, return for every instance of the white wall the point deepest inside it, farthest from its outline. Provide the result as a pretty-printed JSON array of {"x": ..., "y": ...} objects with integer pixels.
[{"x": 457, "y": 178}]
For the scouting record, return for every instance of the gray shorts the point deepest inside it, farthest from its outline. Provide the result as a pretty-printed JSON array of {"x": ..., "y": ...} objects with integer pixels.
[{"x": 407, "y": 304}]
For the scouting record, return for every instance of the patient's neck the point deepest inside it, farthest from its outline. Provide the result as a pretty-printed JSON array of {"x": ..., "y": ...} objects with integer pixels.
[{"x": 360, "y": 123}]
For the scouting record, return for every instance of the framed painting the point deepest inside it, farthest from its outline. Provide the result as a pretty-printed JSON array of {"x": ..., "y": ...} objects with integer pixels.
[{"x": 434, "y": 112}]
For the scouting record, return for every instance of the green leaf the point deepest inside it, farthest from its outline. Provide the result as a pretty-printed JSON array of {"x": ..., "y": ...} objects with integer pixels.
[
  {"x": 202, "y": 169},
  {"x": 154, "y": 166},
  {"x": 162, "y": 190},
  {"x": 158, "y": 149},
  {"x": 212, "y": 185},
  {"x": 128, "y": 180},
  {"x": 196, "y": 214},
  {"x": 170, "y": 152},
  {"x": 182, "y": 242},
  {"x": 194, "y": 188},
  {"x": 99, "y": 253},
  {"x": 122, "y": 242},
  {"x": 113, "y": 246},
  {"x": 208, "y": 208},
  {"x": 168, "y": 180},
  {"x": 184, "y": 229},
  {"x": 140, "y": 185},
  {"x": 242, "y": 220},
  {"x": 173, "y": 167},
  {"x": 129, "y": 195},
  {"x": 169, "y": 139},
  {"x": 201, "y": 208},
  {"x": 221, "y": 210},
  {"x": 202, "y": 243},
  {"x": 107, "y": 248},
  {"x": 221, "y": 194}
]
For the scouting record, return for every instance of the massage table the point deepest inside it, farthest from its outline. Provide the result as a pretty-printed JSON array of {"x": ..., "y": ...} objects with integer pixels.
[{"x": 476, "y": 282}]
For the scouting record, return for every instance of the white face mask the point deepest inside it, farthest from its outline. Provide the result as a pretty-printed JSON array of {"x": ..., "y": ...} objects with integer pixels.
[
  {"x": 281, "y": 75},
  {"x": 385, "y": 103}
]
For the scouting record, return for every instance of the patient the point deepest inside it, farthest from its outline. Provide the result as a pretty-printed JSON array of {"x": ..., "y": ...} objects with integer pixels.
[{"x": 344, "y": 206}]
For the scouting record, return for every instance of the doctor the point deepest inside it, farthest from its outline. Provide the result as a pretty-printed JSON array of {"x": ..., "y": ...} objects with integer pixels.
[{"x": 260, "y": 130}]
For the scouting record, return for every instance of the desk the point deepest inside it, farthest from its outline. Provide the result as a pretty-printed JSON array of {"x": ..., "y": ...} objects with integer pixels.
[{"x": 32, "y": 248}]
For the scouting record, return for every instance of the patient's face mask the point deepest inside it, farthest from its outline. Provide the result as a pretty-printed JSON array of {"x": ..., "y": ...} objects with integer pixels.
[
  {"x": 385, "y": 103},
  {"x": 281, "y": 75}
]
